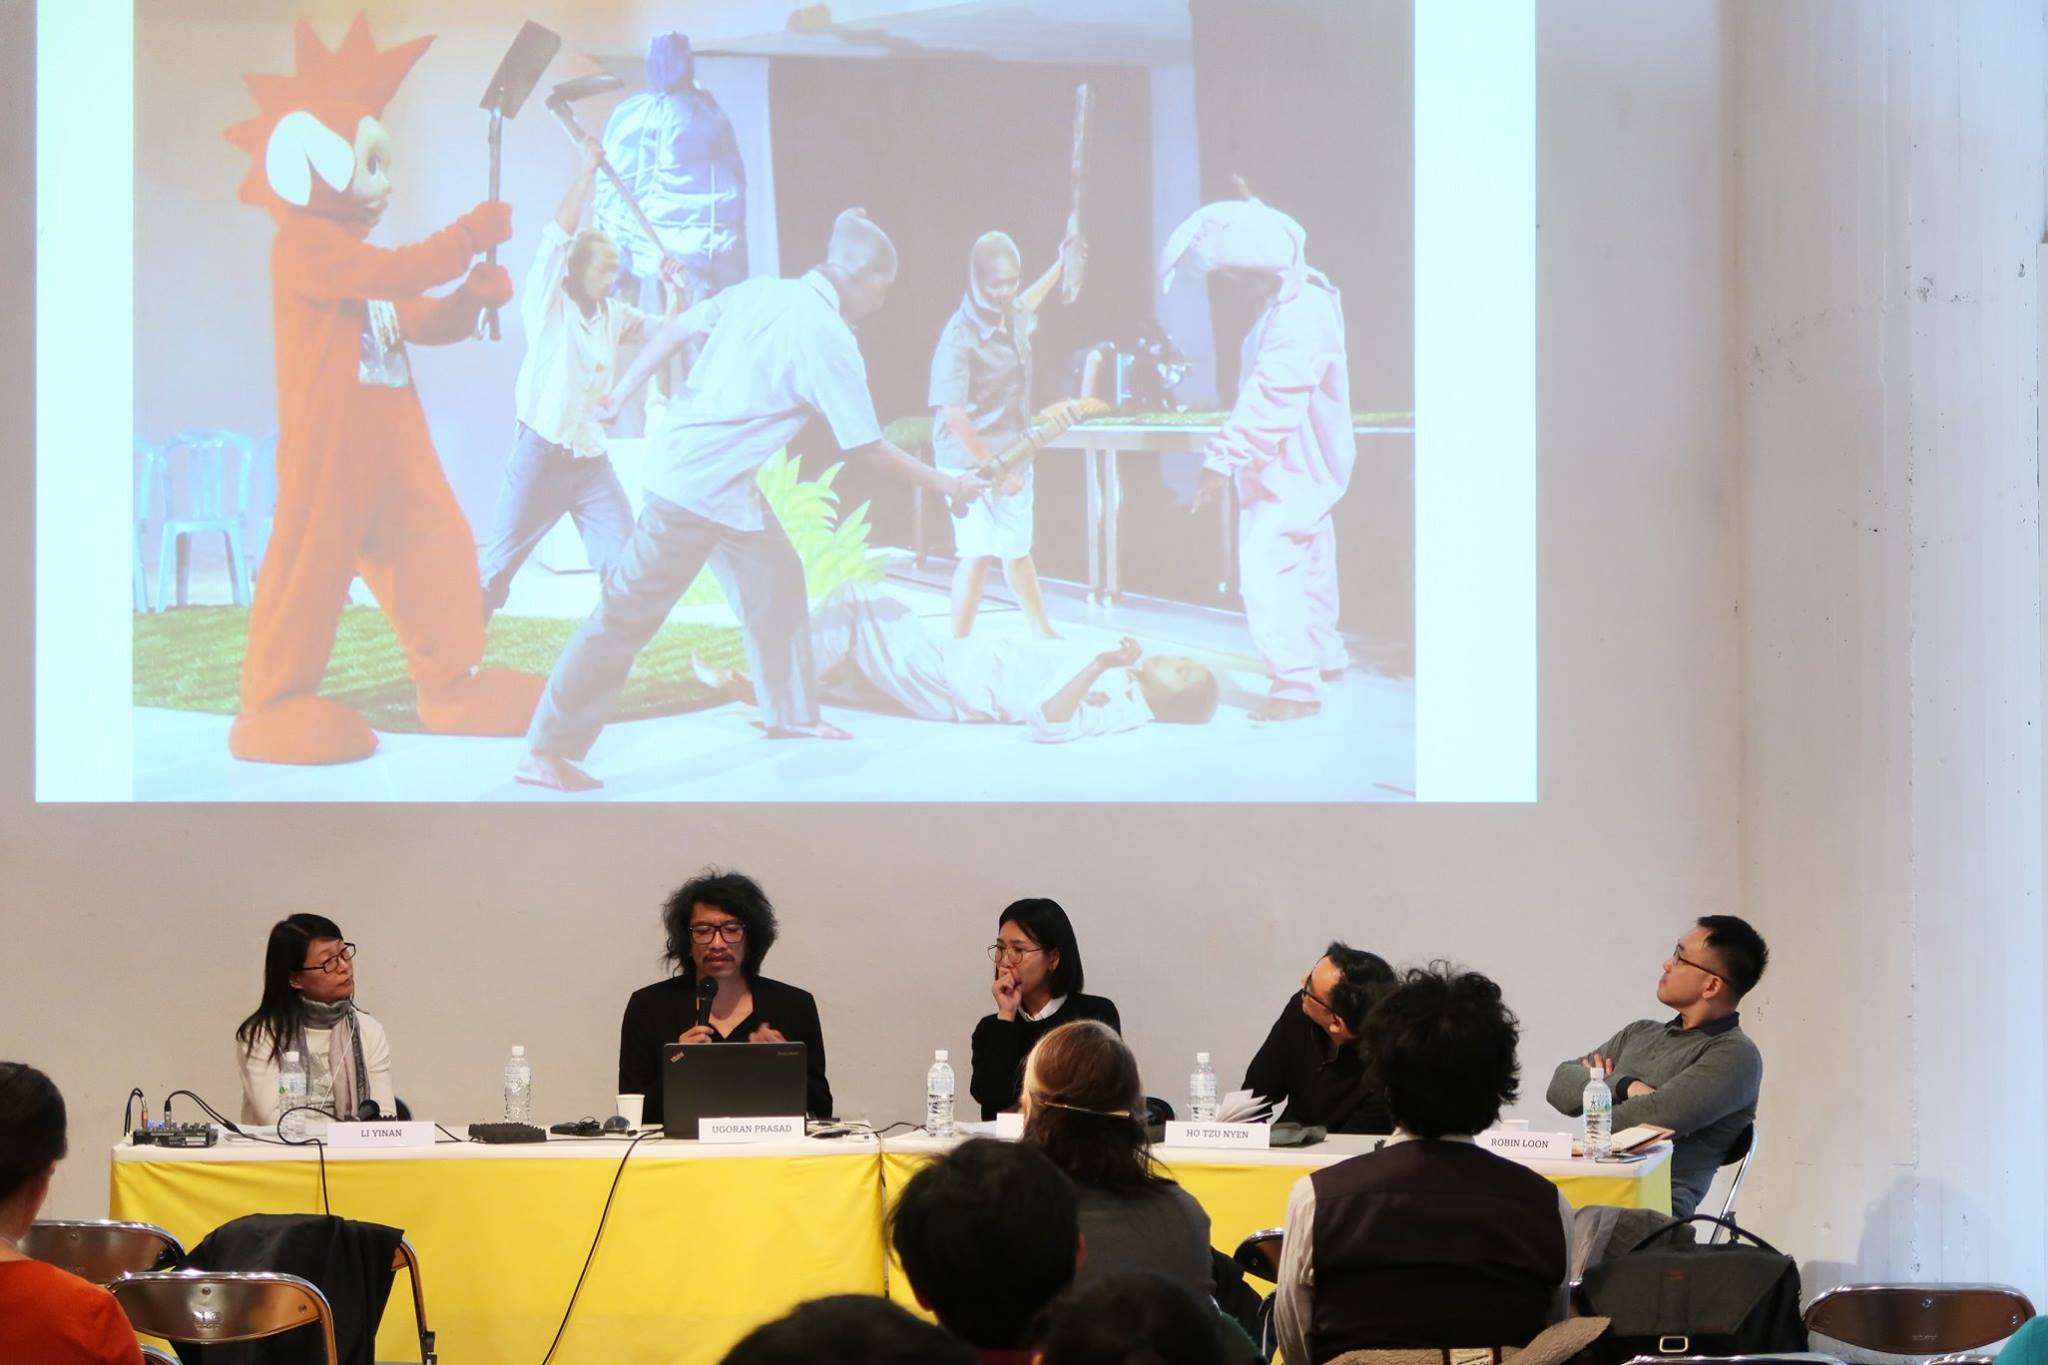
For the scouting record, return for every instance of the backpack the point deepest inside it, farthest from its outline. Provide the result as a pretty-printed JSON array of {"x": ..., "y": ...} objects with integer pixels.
[{"x": 1671, "y": 1298}]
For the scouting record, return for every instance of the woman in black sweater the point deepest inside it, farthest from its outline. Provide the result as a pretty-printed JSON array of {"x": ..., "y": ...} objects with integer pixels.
[
  {"x": 1037, "y": 988},
  {"x": 720, "y": 925}
]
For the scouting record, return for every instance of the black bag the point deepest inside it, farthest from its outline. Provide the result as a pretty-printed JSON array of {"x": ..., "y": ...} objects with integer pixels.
[{"x": 1669, "y": 1298}]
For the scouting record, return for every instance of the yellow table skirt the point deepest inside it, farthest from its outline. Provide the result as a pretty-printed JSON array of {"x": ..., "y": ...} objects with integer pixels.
[
  {"x": 696, "y": 1253},
  {"x": 699, "y": 1249}
]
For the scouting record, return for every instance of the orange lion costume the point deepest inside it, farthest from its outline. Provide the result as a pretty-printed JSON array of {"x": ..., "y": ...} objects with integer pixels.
[{"x": 360, "y": 489}]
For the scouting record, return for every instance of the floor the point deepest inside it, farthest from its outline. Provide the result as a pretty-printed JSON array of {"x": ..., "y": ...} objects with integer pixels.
[{"x": 1368, "y": 718}]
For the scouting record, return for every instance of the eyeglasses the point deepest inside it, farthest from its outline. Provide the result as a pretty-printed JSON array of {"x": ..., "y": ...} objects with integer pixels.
[
  {"x": 732, "y": 931},
  {"x": 1682, "y": 960},
  {"x": 1003, "y": 952},
  {"x": 332, "y": 963}
]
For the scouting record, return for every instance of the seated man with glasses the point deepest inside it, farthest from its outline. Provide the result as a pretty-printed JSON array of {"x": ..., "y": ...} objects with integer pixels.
[
  {"x": 1311, "y": 1058},
  {"x": 720, "y": 927},
  {"x": 1696, "y": 1073}
]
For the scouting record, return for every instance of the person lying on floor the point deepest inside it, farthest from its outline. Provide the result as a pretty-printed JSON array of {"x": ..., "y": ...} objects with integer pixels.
[{"x": 871, "y": 648}]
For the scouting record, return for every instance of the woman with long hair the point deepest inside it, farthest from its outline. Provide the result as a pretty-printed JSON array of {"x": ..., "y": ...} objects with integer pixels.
[
  {"x": 1084, "y": 1104},
  {"x": 1037, "y": 987},
  {"x": 309, "y": 1007}
]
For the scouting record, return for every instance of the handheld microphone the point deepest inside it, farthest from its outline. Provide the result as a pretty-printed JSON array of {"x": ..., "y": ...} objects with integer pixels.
[{"x": 707, "y": 990}]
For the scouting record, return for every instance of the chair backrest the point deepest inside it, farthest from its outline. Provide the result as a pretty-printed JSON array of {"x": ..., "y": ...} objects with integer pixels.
[
  {"x": 102, "y": 1252},
  {"x": 152, "y": 1356},
  {"x": 149, "y": 483},
  {"x": 1259, "y": 1254},
  {"x": 1918, "y": 1319},
  {"x": 207, "y": 475},
  {"x": 217, "y": 1306},
  {"x": 408, "y": 1260}
]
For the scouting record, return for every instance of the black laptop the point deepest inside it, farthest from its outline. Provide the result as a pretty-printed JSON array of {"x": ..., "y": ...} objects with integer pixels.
[{"x": 730, "y": 1081}]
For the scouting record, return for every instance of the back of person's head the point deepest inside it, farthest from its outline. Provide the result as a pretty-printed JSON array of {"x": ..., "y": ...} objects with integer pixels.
[
  {"x": 987, "y": 1234},
  {"x": 1085, "y": 1105},
  {"x": 1740, "y": 948},
  {"x": 1134, "y": 1317},
  {"x": 32, "y": 1129},
  {"x": 856, "y": 1329},
  {"x": 1441, "y": 1045},
  {"x": 1362, "y": 980},
  {"x": 1044, "y": 921}
]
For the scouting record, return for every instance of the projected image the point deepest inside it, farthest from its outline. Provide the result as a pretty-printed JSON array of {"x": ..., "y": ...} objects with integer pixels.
[{"x": 936, "y": 401}]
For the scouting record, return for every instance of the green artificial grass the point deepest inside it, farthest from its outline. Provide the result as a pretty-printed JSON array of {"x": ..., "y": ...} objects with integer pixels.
[{"x": 190, "y": 659}]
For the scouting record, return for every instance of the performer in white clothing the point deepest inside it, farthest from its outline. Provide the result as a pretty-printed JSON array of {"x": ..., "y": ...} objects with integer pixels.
[
  {"x": 1287, "y": 445},
  {"x": 871, "y": 647},
  {"x": 573, "y": 334}
]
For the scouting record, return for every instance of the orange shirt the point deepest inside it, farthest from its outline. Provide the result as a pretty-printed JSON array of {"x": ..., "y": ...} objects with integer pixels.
[{"x": 54, "y": 1318}]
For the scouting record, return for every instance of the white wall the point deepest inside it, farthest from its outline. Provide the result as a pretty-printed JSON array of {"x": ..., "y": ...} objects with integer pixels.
[{"x": 1890, "y": 205}]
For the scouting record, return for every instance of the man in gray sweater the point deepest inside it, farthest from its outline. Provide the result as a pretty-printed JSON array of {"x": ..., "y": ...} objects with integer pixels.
[{"x": 1697, "y": 1074}]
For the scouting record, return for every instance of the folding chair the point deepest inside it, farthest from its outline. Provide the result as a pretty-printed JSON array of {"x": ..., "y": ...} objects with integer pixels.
[
  {"x": 1742, "y": 1154},
  {"x": 1259, "y": 1254},
  {"x": 1947, "y": 1320},
  {"x": 206, "y": 1307},
  {"x": 102, "y": 1251},
  {"x": 408, "y": 1261}
]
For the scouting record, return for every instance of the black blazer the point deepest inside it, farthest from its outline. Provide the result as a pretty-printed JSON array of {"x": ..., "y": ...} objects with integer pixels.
[
  {"x": 659, "y": 1014},
  {"x": 1000, "y": 1047}
]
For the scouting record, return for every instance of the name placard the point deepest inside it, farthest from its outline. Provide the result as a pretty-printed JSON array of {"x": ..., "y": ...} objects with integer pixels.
[
  {"x": 1010, "y": 1125},
  {"x": 382, "y": 1133},
  {"x": 750, "y": 1130},
  {"x": 1517, "y": 1143},
  {"x": 1239, "y": 1136}
]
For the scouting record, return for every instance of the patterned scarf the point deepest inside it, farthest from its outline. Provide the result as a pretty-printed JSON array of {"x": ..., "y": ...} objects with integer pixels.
[{"x": 344, "y": 1051}]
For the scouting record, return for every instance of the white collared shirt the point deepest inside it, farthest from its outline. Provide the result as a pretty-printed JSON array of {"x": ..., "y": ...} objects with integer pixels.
[
  {"x": 571, "y": 357},
  {"x": 1052, "y": 1007},
  {"x": 775, "y": 353}
]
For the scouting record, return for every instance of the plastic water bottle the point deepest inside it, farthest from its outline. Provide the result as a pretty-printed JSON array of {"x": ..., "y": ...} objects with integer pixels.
[
  {"x": 1599, "y": 1110},
  {"x": 938, "y": 1097},
  {"x": 291, "y": 1094},
  {"x": 518, "y": 1087},
  {"x": 1202, "y": 1091}
]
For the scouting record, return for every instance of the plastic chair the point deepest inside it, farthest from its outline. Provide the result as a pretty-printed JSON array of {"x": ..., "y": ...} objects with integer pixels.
[
  {"x": 408, "y": 1261},
  {"x": 205, "y": 1307},
  {"x": 1918, "y": 1319},
  {"x": 205, "y": 491},
  {"x": 101, "y": 1251},
  {"x": 148, "y": 487}
]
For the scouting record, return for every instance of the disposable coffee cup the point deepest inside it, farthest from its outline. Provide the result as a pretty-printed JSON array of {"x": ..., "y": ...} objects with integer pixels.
[
  {"x": 629, "y": 1109},
  {"x": 1515, "y": 1125}
]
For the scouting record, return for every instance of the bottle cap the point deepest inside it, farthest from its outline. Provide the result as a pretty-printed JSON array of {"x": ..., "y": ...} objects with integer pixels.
[
  {"x": 1597, "y": 1071},
  {"x": 291, "y": 1056},
  {"x": 1201, "y": 1059},
  {"x": 939, "y": 1055},
  {"x": 518, "y": 1049}
]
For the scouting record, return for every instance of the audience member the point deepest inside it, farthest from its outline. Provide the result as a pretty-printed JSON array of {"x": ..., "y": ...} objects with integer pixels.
[
  {"x": 1085, "y": 1106},
  {"x": 849, "y": 1329},
  {"x": 988, "y": 1236},
  {"x": 1696, "y": 1073},
  {"x": 1311, "y": 1058},
  {"x": 309, "y": 1007},
  {"x": 1133, "y": 1317},
  {"x": 47, "y": 1315},
  {"x": 1037, "y": 987},
  {"x": 1431, "y": 1241}
]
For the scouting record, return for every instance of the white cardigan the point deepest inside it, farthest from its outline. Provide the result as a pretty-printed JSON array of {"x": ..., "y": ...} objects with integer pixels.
[{"x": 259, "y": 1072}]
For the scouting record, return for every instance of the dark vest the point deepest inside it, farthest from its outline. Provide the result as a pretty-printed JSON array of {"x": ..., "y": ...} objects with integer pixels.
[{"x": 1427, "y": 1244}]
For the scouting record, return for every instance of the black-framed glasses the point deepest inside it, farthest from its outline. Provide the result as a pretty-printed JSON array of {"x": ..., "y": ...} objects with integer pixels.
[
  {"x": 732, "y": 931},
  {"x": 332, "y": 962},
  {"x": 998, "y": 953},
  {"x": 1682, "y": 960}
]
